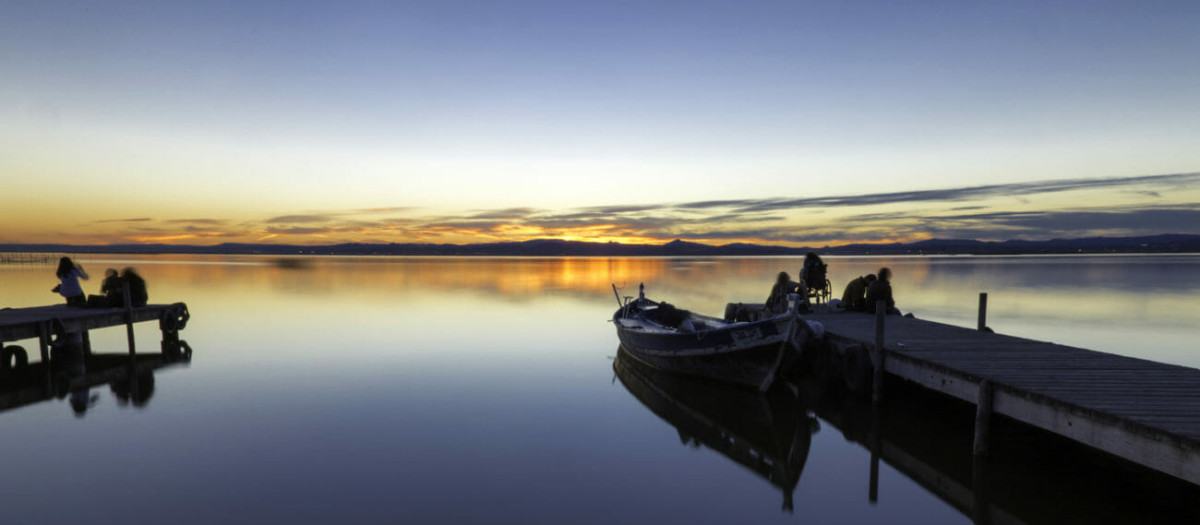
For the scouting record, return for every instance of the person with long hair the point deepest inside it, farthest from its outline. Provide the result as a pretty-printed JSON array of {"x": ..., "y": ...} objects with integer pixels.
[
  {"x": 777, "y": 302},
  {"x": 68, "y": 286}
]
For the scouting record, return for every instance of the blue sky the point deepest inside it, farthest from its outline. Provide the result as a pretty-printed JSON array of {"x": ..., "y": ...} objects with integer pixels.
[{"x": 231, "y": 114}]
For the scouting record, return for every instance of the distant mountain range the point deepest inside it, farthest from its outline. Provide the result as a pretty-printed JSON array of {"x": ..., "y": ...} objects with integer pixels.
[{"x": 1174, "y": 243}]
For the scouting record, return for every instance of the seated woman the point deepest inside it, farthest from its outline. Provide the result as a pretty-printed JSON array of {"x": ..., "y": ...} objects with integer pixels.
[
  {"x": 68, "y": 282},
  {"x": 777, "y": 302}
]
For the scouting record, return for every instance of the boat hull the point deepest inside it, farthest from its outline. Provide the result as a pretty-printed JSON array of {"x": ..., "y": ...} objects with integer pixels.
[{"x": 741, "y": 353}]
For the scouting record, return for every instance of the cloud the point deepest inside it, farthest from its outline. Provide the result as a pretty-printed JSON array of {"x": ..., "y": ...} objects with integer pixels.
[
  {"x": 1141, "y": 220},
  {"x": 506, "y": 213},
  {"x": 392, "y": 209},
  {"x": 299, "y": 230},
  {"x": 958, "y": 194},
  {"x": 290, "y": 219},
  {"x": 196, "y": 221},
  {"x": 139, "y": 219}
]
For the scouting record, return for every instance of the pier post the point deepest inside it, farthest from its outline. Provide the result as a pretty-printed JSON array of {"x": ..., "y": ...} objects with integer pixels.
[
  {"x": 877, "y": 359},
  {"x": 983, "y": 416},
  {"x": 128, "y": 317},
  {"x": 982, "y": 311},
  {"x": 44, "y": 341}
]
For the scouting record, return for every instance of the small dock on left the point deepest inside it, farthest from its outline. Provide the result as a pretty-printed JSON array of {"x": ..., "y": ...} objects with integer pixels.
[{"x": 45, "y": 323}]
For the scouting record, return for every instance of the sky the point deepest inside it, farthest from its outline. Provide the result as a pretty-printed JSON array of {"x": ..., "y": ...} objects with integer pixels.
[{"x": 778, "y": 122}]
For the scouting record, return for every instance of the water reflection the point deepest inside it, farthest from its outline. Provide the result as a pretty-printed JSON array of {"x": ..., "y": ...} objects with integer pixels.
[
  {"x": 73, "y": 374},
  {"x": 1029, "y": 476},
  {"x": 768, "y": 434}
]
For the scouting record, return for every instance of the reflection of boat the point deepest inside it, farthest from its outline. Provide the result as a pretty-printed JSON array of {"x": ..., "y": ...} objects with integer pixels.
[
  {"x": 768, "y": 434},
  {"x": 743, "y": 352}
]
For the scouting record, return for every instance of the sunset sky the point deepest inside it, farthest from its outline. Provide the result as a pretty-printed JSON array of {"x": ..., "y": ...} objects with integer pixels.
[{"x": 789, "y": 122}]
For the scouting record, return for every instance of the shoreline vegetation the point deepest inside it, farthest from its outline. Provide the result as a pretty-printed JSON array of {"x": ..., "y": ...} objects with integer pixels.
[{"x": 1171, "y": 243}]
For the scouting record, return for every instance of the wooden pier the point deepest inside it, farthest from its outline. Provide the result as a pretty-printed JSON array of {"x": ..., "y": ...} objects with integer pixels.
[
  {"x": 1143, "y": 411},
  {"x": 47, "y": 322}
]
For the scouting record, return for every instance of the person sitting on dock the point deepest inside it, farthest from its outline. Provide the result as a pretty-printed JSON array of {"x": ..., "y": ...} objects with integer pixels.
[
  {"x": 854, "y": 298},
  {"x": 881, "y": 290},
  {"x": 138, "y": 296},
  {"x": 111, "y": 284},
  {"x": 777, "y": 302},
  {"x": 68, "y": 275}
]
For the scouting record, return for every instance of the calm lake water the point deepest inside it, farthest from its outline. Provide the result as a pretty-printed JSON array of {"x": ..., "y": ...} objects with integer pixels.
[{"x": 482, "y": 390}]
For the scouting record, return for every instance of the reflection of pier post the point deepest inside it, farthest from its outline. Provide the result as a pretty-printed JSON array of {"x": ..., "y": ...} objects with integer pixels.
[
  {"x": 981, "y": 505},
  {"x": 44, "y": 349},
  {"x": 876, "y": 443}
]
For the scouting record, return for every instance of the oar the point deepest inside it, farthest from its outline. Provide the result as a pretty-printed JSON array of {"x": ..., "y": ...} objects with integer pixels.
[{"x": 619, "y": 305}]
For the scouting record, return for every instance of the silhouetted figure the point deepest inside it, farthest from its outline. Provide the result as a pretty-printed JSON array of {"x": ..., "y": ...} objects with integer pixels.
[
  {"x": 854, "y": 298},
  {"x": 111, "y": 287},
  {"x": 68, "y": 286},
  {"x": 812, "y": 274},
  {"x": 777, "y": 301},
  {"x": 881, "y": 290},
  {"x": 138, "y": 296}
]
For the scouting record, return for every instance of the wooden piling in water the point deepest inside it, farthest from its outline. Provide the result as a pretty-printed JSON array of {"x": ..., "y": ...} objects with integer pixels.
[
  {"x": 877, "y": 355},
  {"x": 982, "y": 311},
  {"x": 983, "y": 417}
]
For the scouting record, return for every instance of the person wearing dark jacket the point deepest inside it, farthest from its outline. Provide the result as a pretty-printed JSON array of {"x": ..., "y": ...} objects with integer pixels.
[
  {"x": 854, "y": 298},
  {"x": 111, "y": 288},
  {"x": 881, "y": 290},
  {"x": 138, "y": 296}
]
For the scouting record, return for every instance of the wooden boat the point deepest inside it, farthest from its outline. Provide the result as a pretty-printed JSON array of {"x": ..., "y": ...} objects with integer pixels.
[
  {"x": 747, "y": 353},
  {"x": 768, "y": 434}
]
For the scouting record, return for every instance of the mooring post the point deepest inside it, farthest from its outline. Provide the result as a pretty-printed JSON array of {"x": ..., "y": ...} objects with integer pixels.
[
  {"x": 982, "y": 311},
  {"x": 877, "y": 359},
  {"x": 128, "y": 317},
  {"x": 44, "y": 340},
  {"x": 983, "y": 416}
]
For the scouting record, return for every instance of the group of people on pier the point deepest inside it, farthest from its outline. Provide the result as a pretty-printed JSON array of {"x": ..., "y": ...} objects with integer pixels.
[
  {"x": 861, "y": 294},
  {"x": 112, "y": 289}
]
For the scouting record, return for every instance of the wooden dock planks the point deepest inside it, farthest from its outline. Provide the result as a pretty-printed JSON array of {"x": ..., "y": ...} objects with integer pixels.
[
  {"x": 1141, "y": 410},
  {"x": 25, "y": 323}
]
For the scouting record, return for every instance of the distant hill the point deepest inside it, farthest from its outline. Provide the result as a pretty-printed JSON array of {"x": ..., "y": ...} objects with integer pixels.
[{"x": 1173, "y": 243}]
